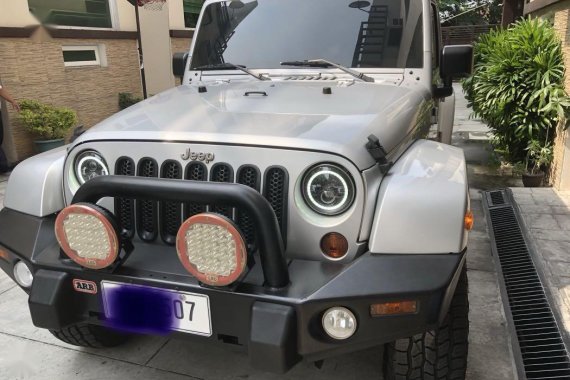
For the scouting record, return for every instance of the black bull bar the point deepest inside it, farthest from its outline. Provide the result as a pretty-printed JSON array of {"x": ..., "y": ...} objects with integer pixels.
[{"x": 270, "y": 241}]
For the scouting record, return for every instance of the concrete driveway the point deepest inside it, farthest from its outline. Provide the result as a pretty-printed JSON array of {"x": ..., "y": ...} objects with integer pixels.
[{"x": 31, "y": 353}]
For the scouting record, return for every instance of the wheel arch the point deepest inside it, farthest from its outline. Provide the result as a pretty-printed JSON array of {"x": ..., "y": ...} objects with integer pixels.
[
  {"x": 422, "y": 202},
  {"x": 35, "y": 186}
]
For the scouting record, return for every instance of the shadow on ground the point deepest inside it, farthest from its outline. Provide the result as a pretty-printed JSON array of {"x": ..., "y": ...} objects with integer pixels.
[{"x": 481, "y": 170}]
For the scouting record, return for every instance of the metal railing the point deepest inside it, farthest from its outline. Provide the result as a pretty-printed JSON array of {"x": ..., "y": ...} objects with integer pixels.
[{"x": 464, "y": 34}]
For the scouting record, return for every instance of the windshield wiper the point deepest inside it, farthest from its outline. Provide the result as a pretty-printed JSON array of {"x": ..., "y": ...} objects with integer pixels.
[
  {"x": 325, "y": 63},
  {"x": 230, "y": 66}
]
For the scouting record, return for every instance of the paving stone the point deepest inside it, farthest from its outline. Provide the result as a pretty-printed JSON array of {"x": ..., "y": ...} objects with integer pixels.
[
  {"x": 525, "y": 199},
  {"x": 548, "y": 200},
  {"x": 559, "y": 268},
  {"x": 15, "y": 320},
  {"x": 489, "y": 351},
  {"x": 563, "y": 221},
  {"x": 564, "y": 299},
  {"x": 479, "y": 233},
  {"x": 541, "y": 221},
  {"x": 479, "y": 255},
  {"x": 6, "y": 283},
  {"x": 474, "y": 194},
  {"x": 542, "y": 191},
  {"x": 520, "y": 190},
  {"x": 560, "y": 210},
  {"x": 552, "y": 250},
  {"x": 536, "y": 209},
  {"x": 556, "y": 235},
  {"x": 33, "y": 360}
]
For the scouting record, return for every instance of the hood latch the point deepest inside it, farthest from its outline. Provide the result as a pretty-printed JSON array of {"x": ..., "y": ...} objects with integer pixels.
[{"x": 378, "y": 152}]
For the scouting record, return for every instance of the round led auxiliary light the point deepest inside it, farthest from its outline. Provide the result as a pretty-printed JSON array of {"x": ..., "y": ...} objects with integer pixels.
[
  {"x": 212, "y": 249},
  {"x": 88, "y": 235}
]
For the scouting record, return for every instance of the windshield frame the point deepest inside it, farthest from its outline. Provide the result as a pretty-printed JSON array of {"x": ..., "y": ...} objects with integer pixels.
[
  {"x": 391, "y": 74},
  {"x": 426, "y": 68}
]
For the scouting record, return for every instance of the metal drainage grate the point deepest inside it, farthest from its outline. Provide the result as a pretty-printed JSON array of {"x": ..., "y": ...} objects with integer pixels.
[
  {"x": 542, "y": 351},
  {"x": 496, "y": 197}
]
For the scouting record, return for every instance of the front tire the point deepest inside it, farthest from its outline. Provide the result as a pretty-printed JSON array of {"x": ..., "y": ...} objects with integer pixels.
[
  {"x": 438, "y": 354},
  {"x": 85, "y": 335}
]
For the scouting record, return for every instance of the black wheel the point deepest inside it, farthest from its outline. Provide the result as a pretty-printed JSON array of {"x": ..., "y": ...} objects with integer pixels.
[
  {"x": 438, "y": 354},
  {"x": 93, "y": 336}
]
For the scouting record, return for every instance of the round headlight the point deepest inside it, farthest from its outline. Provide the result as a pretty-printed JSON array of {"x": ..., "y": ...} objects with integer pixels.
[
  {"x": 328, "y": 189},
  {"x": 89, "y": 164}
]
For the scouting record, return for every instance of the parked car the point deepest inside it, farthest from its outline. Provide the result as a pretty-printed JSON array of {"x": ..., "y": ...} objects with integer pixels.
[{"x": 283, "y": 199}]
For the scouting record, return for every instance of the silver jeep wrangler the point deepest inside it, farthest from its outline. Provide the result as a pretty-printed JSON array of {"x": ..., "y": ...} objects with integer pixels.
[{"x": 283, "y": 199}]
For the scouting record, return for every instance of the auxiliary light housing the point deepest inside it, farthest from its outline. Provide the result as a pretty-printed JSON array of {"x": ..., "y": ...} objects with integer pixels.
[
  {"x": 212, "y": 249},
  {"x": 88, "y": 235}
]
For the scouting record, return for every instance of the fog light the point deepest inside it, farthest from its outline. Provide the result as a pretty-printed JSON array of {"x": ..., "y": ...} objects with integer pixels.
[
  {"x": 339, "y": 323},
  {"x": 23, "y": 274},
  {"x": 212, "y": 249},
  {"x": 88, "y": 235}
]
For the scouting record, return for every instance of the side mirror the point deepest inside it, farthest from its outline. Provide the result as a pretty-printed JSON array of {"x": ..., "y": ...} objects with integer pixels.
[
  {"x": 456, "y": 62},
  {"x": 179, "y": 64}
]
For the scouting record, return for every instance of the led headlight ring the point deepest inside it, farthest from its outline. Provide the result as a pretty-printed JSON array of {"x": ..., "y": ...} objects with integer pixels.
[{"x": 328, "y": 189}]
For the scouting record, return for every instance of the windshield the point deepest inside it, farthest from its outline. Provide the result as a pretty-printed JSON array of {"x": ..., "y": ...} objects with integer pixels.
[{"x": 264, "y": 33}]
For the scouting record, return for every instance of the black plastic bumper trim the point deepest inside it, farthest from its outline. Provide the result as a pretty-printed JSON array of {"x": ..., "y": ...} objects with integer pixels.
[{"x": 284, "y": 324}]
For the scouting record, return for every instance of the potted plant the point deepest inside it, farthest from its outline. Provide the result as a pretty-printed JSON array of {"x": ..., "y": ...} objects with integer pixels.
[
  {"x": 49, "y": 124},
  {"x": 539, "y": 157},
  {"x": 517, "y": 89}
]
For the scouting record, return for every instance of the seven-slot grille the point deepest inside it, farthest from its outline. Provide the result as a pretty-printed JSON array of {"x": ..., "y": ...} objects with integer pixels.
[{"x": 152, "y": 219}]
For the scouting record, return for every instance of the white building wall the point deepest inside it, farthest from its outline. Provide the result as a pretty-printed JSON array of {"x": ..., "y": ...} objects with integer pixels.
[
  {"x": 125, "y": 15},
  {"x": 15, "y": 13},
  {"x": 155, "y": 33},
  {"x": 176, "y": 14}
]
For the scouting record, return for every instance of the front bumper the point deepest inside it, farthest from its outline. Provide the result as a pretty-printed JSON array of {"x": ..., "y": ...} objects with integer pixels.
[{"x": 277, "y": 326}]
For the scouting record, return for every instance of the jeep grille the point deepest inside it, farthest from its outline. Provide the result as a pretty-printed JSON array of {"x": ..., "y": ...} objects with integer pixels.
[{"x": 151, "y": 218}]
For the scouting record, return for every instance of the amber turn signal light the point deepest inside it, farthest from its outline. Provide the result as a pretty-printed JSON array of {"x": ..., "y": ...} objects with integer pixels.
[
  {"x": 4, "y": 255},
  {"x": 469, "y": 220},
  {"x": 393, "y": 308},
  {"x": 334, "y": 245}
]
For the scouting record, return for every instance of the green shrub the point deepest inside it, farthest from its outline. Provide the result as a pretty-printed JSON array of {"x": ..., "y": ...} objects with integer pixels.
[
  {"x": 45, "y": 121},
  {"x": 517, "y": 88},
  {"x": 126, "y": 99}
]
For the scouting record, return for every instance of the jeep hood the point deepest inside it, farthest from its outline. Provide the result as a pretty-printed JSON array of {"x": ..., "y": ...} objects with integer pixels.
[{"x": 295, "y": 115}]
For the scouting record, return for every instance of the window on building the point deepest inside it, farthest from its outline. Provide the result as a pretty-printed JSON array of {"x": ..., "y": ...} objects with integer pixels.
[
  {"x": 191, "y": 12},
  {"x": 81, "y": 55},
  {"x": 80, "y": 13}
]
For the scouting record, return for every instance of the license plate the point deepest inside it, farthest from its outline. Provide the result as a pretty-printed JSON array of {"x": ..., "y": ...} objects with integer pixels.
[{"x": 145, "y": 309}]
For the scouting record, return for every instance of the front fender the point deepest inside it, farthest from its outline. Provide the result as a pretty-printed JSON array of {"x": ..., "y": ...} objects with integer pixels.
[
  {"x": 35, "y": 186},
  {"x": 422, "y": 202}
]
